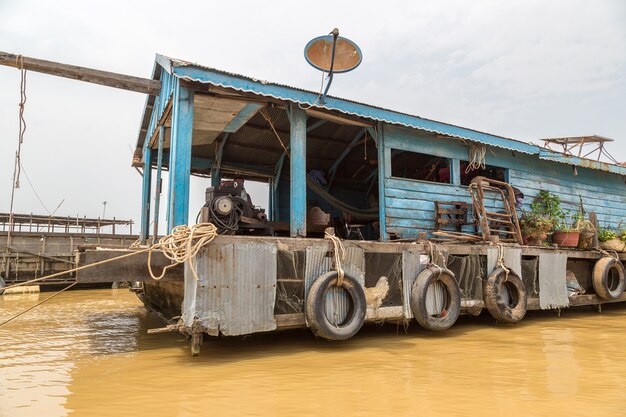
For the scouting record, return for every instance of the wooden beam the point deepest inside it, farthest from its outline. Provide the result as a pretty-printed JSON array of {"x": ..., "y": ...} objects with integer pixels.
[
  {"x": 106, "y": 78},
  {"x": 298, "y": 172},
  {"x": 180, "y": 156}
]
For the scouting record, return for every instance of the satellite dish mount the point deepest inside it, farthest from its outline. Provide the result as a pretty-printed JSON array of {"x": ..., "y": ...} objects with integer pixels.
[{"x": 332, "y": 54}]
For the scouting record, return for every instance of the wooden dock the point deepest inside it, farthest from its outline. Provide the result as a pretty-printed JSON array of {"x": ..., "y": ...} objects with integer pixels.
[{"x": 37, "y": 245}]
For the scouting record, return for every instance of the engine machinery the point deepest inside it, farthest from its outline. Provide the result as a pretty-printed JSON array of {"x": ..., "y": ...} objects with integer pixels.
[{"x": 229, "y": 207}]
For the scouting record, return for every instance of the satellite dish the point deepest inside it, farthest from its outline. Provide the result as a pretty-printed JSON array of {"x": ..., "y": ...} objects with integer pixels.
[
  {"x": 319, "y": 54},
  {"x": 332, "y": 54}
]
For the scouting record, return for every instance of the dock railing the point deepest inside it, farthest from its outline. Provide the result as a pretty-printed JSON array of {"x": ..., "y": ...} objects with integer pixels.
[{"x": 61, "y": 224}]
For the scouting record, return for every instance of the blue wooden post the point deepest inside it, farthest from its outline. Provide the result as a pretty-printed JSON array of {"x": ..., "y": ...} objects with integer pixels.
[
  {"x": 180, "y": 156},
  {"x": 298, "y": 172},
  {"x": 384, "y": 168},
  {"x": 270, "y": 204},
  {"x": 158, "y": 187},
  {"x": 145, "y": 194},
  {"x": 455, "y": 171},
  {"x": 215, "y": 176}
]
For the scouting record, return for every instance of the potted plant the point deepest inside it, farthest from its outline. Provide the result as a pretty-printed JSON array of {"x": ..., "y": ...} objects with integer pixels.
[
  {"x": 611, "y": 240},
  {"x": 585, "y": 227},
  {"x": 537, "y": 223},
  {"x": 566, "y": 234},
  {"x": 535, "y": 228}
]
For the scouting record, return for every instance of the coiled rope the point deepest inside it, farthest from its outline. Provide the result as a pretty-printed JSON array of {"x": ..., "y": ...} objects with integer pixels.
[{"x": 182, "y": 245}]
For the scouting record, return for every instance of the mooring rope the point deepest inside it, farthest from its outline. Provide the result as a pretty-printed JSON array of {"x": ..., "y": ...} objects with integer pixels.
[
  {"x": 182, "y": 245},
  {"x": 19, "y": 63},
  {"x": 179, "y": 246},
  {"x": 36, "y": 305},
  {"x": 500, "y": 262},
  {"x": 339, "y": 254},
  {"x": 607, "y": 253}
]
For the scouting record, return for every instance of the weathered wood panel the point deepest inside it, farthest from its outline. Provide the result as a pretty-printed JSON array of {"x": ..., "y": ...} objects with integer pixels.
[
  {"x": 609, "y": 205},
  {"x": 133, "y": 268},
  {"x": 409, "y": 204}
]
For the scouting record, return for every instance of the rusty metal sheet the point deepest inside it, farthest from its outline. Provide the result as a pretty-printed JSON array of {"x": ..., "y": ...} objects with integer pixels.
[
  {"x": 512, "y": 259},
  {"x": 413, "y": 263},
  {"x": 319, "y": 261},
  {"x": 552, "y": 282},
  {"x": 236, "y": 290}
]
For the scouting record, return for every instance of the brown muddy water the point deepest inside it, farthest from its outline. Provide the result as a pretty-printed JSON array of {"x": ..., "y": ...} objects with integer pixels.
[{"x": 86, "y": 353}]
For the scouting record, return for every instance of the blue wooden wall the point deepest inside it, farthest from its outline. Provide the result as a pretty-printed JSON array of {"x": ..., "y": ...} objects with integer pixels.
[{"x": 409, "y": 204}]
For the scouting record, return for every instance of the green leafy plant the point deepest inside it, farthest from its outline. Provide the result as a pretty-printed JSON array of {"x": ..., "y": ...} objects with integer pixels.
[
  {"x": 606, "y": 234},
  {"x": 548, "y": 205},
  {"x": 570, "y": 223}
]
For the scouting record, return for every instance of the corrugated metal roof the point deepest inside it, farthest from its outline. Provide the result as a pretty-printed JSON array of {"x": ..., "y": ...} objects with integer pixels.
[
  {"x": 334, "y": 104},
  {"x": 237, "y": 82}
]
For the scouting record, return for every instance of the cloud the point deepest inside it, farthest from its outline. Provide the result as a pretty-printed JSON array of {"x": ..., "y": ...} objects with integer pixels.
[{"x": 524, "y": 69}]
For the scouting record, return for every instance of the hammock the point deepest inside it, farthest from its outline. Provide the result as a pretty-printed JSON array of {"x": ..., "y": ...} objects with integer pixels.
[{"x": 363, "y": 214}]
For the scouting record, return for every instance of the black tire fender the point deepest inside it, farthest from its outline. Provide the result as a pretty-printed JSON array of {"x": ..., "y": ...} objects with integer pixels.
[
  {"x": 608, "y": 278},
  {"x": 316, "y": 307},
  {"x": 451, "y": 299},
  {"x": 506, "y": 312}
]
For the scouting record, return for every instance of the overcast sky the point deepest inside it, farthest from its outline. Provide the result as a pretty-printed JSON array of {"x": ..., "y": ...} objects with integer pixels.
[{"x": 522, "y": 69}]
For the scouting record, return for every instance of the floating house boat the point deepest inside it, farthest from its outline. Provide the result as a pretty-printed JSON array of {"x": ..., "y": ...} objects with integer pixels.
[{"x": 424, "y": 213}]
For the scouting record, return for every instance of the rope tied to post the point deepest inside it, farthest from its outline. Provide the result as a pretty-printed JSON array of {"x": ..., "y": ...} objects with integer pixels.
[
  {"x": 607, "y": 253},
  {"x": 339, "y": 254},
  {"x": 500, "y": 262},
  {"x": 433, "y": 250}
]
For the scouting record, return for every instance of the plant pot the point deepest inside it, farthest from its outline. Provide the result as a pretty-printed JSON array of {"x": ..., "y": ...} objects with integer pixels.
[
  {"x": 566, "y": 239},
  {"x": 531, "y": 241},
  {"x": 614, "y": 244},
  {"x": 586, "y": 240}
]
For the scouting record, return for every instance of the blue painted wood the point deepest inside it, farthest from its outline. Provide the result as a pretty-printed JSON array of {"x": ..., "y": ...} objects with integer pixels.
[
  {"x": 602, "y": 192},
  {"x": 612, "y": 185},
  {"x": 242, "y": 117},
  {"x": 263, "y": 88},
  {"x": 145, "y": 195},
  {"x": 215, "y": 176},
  {"x": 242, "y": 83},
  {"x": 384, "y": 170},
  {"x": 410, "y": 140},
  {"x": 158, "y": 187},
  {"x": 455, "y": 171},
  {"x": 160, "y": 102},
  {"x": 180, "y": 156},
  {"x": 298, "y": 172}
]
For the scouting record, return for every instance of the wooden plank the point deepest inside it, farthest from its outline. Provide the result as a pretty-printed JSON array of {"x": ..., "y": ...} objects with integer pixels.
[
  {"x": 608, "y": 183},
  {"x": 289, "y": 321},
  {"x": 106, "y": 78},
  {"x": 134, "y": 268}
]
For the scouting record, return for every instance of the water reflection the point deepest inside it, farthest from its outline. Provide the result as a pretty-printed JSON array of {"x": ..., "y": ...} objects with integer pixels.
[{"x": 87, "y": 353}]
